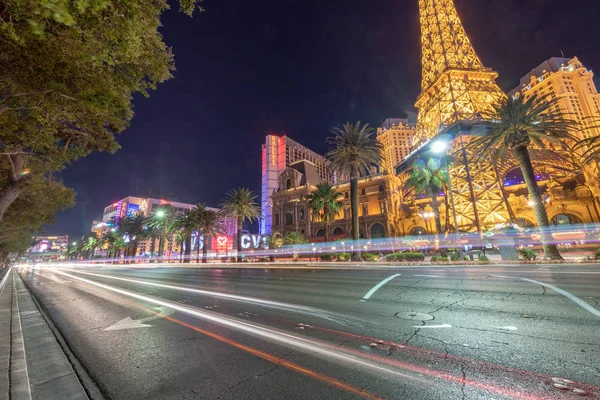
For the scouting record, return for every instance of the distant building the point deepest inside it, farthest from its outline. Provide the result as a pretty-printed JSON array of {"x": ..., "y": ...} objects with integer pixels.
[
  {"x": 278, "y": 153},
  {"x": 48, "y": 247},
  {"x": 131, "y": 205},
  {"x": 397, "y": 135},
  {"x": 570, "y": 82},
  {"x": 43, "y": 244}
]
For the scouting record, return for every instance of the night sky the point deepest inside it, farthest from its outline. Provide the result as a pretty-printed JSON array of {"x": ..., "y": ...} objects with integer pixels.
[{"x": 249, "y": 68}]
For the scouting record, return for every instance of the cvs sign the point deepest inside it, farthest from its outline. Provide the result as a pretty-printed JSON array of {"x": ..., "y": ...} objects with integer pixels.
[{"x": 255, "y": 242}]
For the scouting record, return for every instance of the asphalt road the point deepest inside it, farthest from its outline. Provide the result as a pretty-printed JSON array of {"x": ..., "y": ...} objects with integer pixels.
[{"x": 395, "y": 333}]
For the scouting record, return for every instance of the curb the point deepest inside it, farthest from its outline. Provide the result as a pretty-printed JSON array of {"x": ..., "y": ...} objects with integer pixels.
[
  {"x": 39, "y": 369},
  {"x": 90, "y": 387}
]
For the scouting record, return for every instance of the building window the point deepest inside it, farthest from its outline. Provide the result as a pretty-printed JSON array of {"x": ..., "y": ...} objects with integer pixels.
[
  {"x": 277, "y": 219},
  {"x": 347, "y": 214},
  {"x": 301, "y": 214},
  {"x": 383, "y": 206},
  {"x": 345, "y": 195},
  {"x": 382, "y": 188},
  {"x": 365, "y": 209},
  {"x": 363, "y": 192},
  {"x": 289, "y": 217}
]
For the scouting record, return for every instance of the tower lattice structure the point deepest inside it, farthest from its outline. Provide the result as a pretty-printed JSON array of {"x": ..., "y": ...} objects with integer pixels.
[{"x": 456, "y": 87}]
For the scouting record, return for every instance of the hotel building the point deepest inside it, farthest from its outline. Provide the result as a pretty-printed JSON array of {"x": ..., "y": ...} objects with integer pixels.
[
  {"x": 397, "y": 136},
  {"x": 572, "y": 83},
  {"x": 130, "y": 205},
  {"x": 278, "y": 153}
]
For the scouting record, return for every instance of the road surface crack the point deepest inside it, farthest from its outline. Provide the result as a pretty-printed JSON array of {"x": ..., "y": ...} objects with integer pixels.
[
  {"x": 464, "y": 381},
  {"x": 414, "y": 333},
  {"x": 242, "y": 382}
]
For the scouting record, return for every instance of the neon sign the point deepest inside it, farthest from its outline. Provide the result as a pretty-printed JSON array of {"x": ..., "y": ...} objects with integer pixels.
[
  {"x": 144, "y": 205},
  {"x": 253, "y": 241},
  {"x": 273, "y": 149},
  {"x": 161, "y": 201}
]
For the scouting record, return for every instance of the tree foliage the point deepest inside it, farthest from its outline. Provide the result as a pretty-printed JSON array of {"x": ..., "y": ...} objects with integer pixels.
[
  {"x": 519, "y": 126},
  {"x": 68, "y": 73},
  {"x": 326, "y": 203}
]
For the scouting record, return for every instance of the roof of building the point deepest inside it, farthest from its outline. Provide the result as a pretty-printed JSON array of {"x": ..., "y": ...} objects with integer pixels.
[
  {"x": 309, "y": 172},
  {"x": 391, "y": 122},
  {"x": 551, "y": 65}
]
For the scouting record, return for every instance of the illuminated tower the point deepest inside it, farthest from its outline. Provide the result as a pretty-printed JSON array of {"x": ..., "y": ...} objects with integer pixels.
[{"x": 456, "y": 87}]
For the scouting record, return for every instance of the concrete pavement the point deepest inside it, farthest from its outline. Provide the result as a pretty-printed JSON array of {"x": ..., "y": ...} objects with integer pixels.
[
  {"x": 32, "y": 363},
  {"x": 425, "y": 333}
]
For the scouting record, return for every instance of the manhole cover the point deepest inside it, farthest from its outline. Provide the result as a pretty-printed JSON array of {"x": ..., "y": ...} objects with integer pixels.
[{"x": 414, "y": 316}]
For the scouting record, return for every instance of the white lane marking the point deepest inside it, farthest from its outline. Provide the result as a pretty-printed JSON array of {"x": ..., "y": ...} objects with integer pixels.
[
  {"x": 379, "y": 285},
  {"x": 568, "y": 295},
  {"x": 505, "y": 328},
  {"x": 128, "y": 323},
  {"x": 433, "y": 326},
  {"x": 263, "y": 332},
  {"x": 333, "y": 317},
  {"x": 430, "y": 276}
]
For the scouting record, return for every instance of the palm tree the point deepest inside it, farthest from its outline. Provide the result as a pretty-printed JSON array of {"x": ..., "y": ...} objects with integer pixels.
[
  {"x": 186, "y": 223},
  {"x": 133, "y": 226},
  {"x": 354, "y": 150},
  {"x": 430, "y": 178},
  {"x": 208, "y": 225},
  {"x": 90, "y": 244},
  {"x": 515, "y": 125},
  {"x": 275, "y": 241},
  {"x": 114, "y": 241},
  {"x": 294, "y": 238},
  {"x": 160, "y": 220},
  {"x": 325, "y": 201},
  {"x": 241, "y": 205}
]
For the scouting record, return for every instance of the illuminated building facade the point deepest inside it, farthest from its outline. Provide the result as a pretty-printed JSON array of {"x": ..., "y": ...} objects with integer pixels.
[
  {"x": 278, "y": 153},
  {"x": 379, "y": 200},
  {"x": 570, "y": 82},
  {"x": 132, "y": 205},
  {"x": 49, "y": 244},
  {"x": 457, "y": 90},
  {"x": 293, "y": 214},
  {"x": 397, "y": 136}
]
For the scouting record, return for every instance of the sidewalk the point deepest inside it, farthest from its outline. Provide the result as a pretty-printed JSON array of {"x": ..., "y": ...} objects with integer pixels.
[{"x": 33, "y": 366}]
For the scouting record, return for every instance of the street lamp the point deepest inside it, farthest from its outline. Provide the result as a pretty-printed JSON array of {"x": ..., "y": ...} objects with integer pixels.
[
  {"x": 160, "y": 213},
  {"x": 439, "y": 146}
]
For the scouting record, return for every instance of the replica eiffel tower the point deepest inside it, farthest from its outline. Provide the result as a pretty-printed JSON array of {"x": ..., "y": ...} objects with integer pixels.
[{"x": 456, "y": 87}]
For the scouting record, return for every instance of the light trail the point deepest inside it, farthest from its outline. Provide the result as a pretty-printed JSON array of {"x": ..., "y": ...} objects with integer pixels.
[
  {"x": 333, "y": 317},
  {"x": 280, "y": 361},
  {"x": 435, "y": 356},
  {"x": 562, "y": 234},
  {"x": 281, "y": 337},
  {"x": 350, "y": 356}
]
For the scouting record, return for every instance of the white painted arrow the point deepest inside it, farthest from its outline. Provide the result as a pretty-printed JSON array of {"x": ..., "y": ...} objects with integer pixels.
[
  {"x": 128, "y": 323},
  {"x": 434, "y": 326}
]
